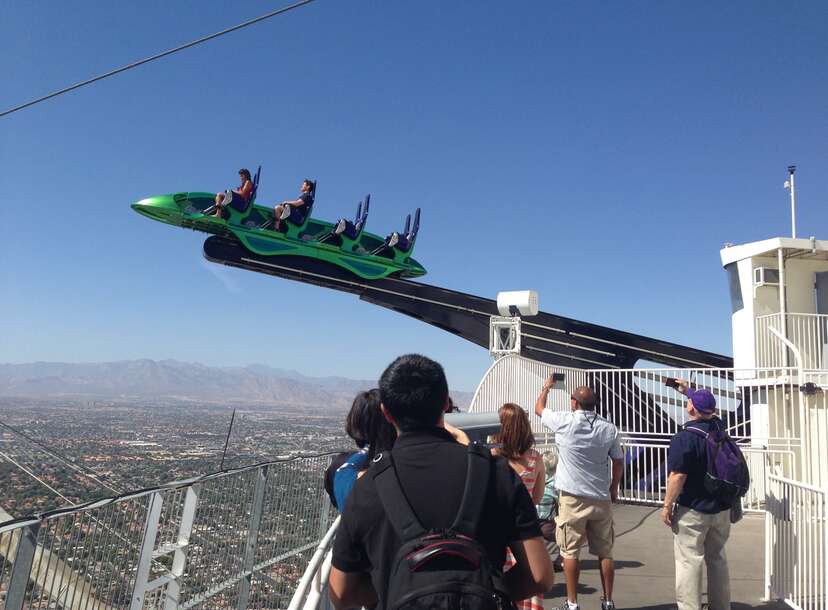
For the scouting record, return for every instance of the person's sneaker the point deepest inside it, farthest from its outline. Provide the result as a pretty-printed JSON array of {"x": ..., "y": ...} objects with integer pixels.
[
  {"x": 567, "y": 606},
  {"x": 607, "y": 605}
]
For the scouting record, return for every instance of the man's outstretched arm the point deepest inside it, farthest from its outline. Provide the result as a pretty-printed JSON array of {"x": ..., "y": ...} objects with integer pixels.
[
  {"x": 540, "y": 403},
  {"x": 351, "y": 589}
]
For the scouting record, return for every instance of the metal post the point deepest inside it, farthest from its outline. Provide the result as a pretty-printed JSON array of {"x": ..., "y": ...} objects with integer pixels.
[
  {"x": 792, "y": 188},
  {"x": 824, "y": 522},
  {"x": 147, "y": 547},
  {"x": 252, "y": 537},
  {"x": 22, "y": 567},
  {"x": 783, "y": 317},
  {"x": 768, "y": 538},
  {"x": 180, "y": 557}
]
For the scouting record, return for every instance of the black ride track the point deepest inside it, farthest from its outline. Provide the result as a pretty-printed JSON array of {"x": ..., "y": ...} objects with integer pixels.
[{"x": 547, "y": 337}]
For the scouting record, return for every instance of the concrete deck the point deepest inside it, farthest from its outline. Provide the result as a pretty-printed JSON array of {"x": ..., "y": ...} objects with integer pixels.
[{"x": 645, "y": 570}]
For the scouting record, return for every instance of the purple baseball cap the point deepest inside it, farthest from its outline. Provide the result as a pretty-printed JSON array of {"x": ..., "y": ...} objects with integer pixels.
[{"x": 703, "y": 400}]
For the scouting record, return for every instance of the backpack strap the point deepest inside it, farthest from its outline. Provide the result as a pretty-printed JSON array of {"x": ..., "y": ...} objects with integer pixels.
[
  {"x": 474, "y": 493},
  {"x": 698, "y": 431},
  {"x": 397, "y": 508}
]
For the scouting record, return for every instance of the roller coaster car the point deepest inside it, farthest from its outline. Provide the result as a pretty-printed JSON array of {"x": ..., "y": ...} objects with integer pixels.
[{"x": 344, "y": 243}]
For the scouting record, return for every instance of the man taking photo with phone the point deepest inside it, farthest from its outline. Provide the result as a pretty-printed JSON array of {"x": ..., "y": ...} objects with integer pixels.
[{"x": 585, "y": 442}]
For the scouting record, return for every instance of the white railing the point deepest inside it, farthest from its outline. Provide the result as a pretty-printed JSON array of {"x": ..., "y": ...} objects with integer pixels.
[
  {"x": 807, "y": 331},
  {"x": 763, "y": 408},
  {"x": 644, "y": 408},
  {"x": 645, "y": 473},
  {"x": 313, "y": 583},
  {"x": 231, "y": 540},
  {"x": 796, "y": 544}
]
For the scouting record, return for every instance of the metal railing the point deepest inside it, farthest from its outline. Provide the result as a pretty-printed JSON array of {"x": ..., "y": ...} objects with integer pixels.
[
  {"x": 236, "y": 539},
  {"x": 645, "y": 477},
  {"x": 647, "y": 410},
  {"x": 765, "y": 409},
  {"x": 312, "y": 587},
  {"x": 796, "y": 544},
  {"x": 807, "y": 331}
]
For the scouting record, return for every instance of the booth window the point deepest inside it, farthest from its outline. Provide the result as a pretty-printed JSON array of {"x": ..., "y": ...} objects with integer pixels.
[{"x": 736, "y": 302}]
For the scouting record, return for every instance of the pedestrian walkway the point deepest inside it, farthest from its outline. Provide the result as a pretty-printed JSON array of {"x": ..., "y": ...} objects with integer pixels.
[{"x": 644, "y": 568}]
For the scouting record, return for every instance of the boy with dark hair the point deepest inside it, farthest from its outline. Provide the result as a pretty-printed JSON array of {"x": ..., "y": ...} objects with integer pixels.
[
  {"x": 431, "y": 469},
  {"x": 414, "y": 391}
]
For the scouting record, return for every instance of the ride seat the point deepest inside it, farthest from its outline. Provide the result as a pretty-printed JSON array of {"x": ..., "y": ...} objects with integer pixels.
[
  {"x": 405, "y": 241},
  {"x": 349, "y": 229},
  {"x": 255, "y": 190}
]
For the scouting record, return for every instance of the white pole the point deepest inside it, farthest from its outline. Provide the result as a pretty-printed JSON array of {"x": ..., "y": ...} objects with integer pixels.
[
  {"x": 791, "y": 170},
  {"x": 783, "y": 319}
]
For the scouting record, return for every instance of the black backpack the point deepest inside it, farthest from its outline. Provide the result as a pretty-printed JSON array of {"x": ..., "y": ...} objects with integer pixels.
[{"x": 440, "y": 569}]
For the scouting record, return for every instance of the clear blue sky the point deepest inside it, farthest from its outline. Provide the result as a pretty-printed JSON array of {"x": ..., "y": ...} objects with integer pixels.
[{"x": 600, "y": 153}]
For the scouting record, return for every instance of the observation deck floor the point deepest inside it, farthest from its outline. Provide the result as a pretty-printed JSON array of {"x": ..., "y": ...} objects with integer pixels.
[{"x": 645, "y": 568}]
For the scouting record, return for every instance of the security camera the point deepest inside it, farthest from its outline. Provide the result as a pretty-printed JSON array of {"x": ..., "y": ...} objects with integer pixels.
[{"x": 520, "y": 302}]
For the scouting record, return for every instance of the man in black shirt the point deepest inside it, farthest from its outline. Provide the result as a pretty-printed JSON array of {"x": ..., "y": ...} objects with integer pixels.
[
  {"x": 431, "y": 467},
  {"x": 700, "y": 522}
]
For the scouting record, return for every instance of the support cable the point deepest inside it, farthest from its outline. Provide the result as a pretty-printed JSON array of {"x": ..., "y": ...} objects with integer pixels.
[
  {"x": 82, "y": 470},
  {"x": 36, "y": 478},
  {"x": 140, "y": 62}
]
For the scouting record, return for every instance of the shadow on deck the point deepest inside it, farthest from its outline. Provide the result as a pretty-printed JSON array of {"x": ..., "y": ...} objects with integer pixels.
[{"x": 645, "y": 571}]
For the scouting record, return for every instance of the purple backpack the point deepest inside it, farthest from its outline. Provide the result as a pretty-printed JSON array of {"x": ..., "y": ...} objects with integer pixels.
[{"x": 727, "y": 478}]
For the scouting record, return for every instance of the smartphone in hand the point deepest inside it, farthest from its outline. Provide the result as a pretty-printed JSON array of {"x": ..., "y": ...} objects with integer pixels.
[
  {"x": 558, "y": 381},
  {"x": 672, "y": 383}
]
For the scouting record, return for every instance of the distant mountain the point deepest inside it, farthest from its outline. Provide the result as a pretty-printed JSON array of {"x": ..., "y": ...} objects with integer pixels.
[{"x": 184, "y": 381}]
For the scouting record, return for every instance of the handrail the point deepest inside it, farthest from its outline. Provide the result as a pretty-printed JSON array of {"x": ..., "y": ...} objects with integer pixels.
[
  {"x": 35, "y": 518},
  {"x": 800, "y": 484},
  {"x": 797, "y": 354},
  {"x": 791, "y": 313},
  {"x": 315, "y": 595},
  {"x": 312, "y": 566}
]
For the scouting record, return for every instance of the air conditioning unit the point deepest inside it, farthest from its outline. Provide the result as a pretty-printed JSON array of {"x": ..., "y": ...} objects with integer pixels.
[{"x": 765, "y": 276}]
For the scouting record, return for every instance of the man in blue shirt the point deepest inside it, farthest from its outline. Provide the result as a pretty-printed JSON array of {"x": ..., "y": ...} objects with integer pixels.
[
  {"x": 700, "y": 522},
  {"x": 586, "y": 444}
]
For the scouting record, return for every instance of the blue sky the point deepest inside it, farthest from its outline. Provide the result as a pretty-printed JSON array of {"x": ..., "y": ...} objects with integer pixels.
[{"x": 599, "y": 153}]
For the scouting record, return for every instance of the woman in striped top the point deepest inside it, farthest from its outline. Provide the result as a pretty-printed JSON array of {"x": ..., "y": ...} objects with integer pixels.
[{"x": 516, "y": 443}]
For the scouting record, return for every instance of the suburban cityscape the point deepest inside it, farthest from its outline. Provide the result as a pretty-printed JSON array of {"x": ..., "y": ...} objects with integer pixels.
[
  {"x": 132, "y": 446},
  {"x": 71, "y": 433}
]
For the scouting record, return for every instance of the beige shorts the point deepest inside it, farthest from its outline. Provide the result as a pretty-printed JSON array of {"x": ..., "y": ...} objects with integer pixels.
[{"x": 582, "y": 520}]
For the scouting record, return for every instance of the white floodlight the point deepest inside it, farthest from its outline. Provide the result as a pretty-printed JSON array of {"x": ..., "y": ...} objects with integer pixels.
[{"x": 518, "y": 302}]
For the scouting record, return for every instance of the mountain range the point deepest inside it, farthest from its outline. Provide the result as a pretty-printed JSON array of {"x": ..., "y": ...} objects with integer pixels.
[{"x": 182, "y": 381}]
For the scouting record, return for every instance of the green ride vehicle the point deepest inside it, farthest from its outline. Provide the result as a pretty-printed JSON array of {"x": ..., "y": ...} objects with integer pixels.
[{"x": 344, "y": 243}]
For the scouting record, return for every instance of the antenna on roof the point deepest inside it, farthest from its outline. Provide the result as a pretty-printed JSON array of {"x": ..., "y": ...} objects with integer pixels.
[{"x": 789, "y": 184}]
